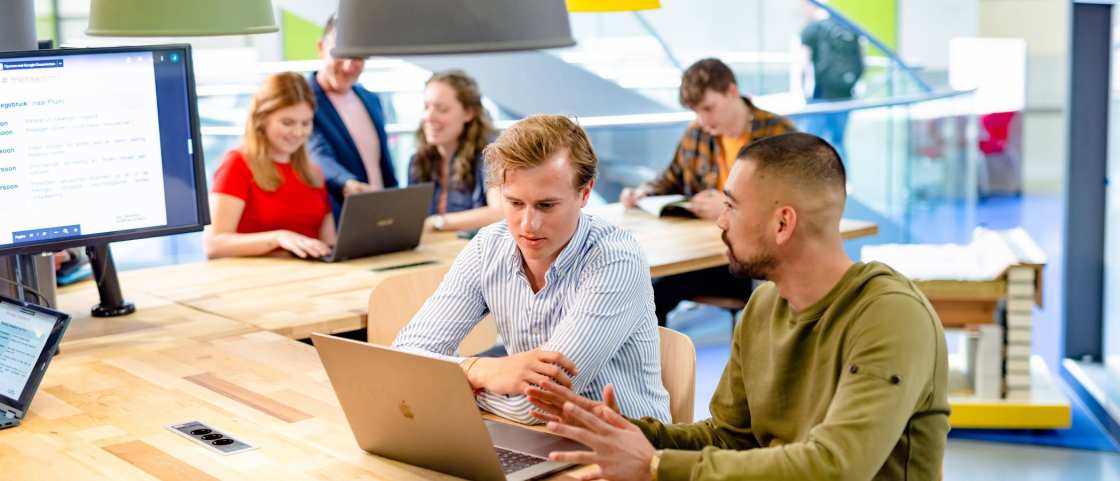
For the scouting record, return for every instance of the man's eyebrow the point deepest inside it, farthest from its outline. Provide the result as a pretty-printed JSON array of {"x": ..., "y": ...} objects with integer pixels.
[
  {"x": 729, "y": 196},
  {"x": 537, "y": 201}
]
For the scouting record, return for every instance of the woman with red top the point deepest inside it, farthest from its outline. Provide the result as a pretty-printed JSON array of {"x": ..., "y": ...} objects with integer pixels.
[{"x": 267, "y": 195}]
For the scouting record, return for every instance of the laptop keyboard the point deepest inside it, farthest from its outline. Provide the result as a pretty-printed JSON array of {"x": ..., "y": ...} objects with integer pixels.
[{"x": 513, "y": 462}]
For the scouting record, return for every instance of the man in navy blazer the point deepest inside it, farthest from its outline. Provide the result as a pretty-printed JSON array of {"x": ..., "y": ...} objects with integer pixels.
[{"x": 348, "y": 140}]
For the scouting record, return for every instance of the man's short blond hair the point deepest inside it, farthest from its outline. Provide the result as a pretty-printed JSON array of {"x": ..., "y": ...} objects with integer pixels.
[{"x": 535, "y": 139}]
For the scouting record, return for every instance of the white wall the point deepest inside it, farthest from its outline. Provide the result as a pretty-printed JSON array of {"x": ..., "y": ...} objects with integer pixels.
[
  {"x": 925, "y": 28},
  {"x": 1044, "y": 24},
  {"x": 695, "y": 32}
]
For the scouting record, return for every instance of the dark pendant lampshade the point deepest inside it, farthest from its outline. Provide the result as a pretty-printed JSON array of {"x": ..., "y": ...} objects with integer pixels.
[{"x": 416, "y": 27}]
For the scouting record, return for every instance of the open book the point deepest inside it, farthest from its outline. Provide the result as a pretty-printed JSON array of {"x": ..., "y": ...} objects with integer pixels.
[{"x": 673, "y": 205}]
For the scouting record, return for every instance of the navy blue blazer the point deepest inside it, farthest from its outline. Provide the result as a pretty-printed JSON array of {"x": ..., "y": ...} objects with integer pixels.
[{"x": 332, "y": 147}]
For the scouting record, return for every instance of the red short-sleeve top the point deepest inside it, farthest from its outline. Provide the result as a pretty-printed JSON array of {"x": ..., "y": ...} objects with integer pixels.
[{"x": 293, "y": 206}]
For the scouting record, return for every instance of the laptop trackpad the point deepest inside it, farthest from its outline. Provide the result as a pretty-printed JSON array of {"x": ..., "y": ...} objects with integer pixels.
[{"x": 528, "y": 441}]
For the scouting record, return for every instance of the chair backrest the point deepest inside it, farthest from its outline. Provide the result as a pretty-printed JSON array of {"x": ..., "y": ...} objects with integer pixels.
[
  {"x": 678, "y": 373},
  {"x": 396, "y": 299}
]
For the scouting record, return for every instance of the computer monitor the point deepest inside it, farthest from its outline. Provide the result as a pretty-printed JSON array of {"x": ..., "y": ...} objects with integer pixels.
[{"x": 98, "y": 145}]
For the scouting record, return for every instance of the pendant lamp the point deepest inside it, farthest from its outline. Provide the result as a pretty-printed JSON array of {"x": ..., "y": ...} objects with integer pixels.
[
  {"x": 179, "y": 18},
  {"x": 416, "y": 27}
]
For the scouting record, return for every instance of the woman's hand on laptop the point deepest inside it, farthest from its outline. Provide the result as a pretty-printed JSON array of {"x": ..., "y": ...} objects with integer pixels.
[
  {"x": 549, "y": 399},
  {"x": 516, "y": 373},
  {"x": 354, "y": 186},
  {"x": 301, "y": 245}
]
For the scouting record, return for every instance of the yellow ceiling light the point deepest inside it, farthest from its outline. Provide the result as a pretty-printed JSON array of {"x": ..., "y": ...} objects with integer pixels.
[{"x": 612, "y": 5}]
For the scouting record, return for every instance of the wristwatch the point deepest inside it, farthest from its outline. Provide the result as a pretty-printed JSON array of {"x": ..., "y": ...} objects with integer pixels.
[
  {"x": 438, "y": 221},
  {"x": 654, "y": 463}
]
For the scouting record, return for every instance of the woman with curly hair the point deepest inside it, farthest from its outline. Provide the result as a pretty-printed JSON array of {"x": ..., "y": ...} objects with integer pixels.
[{"x": 449, "y": 144}]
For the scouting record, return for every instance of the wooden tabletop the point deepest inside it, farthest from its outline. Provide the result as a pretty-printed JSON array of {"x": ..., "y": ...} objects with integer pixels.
[
  {"x": 102, "y": 410},
  {"x": 674, "y": 245},
  {"x": 199, "y": 348},
  {"x": 294, "y": 298}
]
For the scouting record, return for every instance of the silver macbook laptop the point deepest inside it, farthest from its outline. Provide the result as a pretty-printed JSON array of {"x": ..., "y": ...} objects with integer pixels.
[
  {"x": 421, "y": 411},
  {"x": 381, "y": 222}
]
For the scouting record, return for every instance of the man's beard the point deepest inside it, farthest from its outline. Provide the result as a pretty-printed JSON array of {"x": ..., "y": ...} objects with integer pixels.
[{"x": 757, "y": 267}]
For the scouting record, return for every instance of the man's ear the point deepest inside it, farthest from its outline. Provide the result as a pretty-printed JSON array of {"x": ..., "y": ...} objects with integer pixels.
[
  {"x": 732, "y": 90},
  {"x": 787, "y": 224},
  {"x": 585, "y": 193}
]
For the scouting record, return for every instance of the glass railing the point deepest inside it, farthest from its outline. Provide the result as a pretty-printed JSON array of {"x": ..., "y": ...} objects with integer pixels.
[
  {"x": 647, "y": 51},
  {"x": 909, "y": 156}
]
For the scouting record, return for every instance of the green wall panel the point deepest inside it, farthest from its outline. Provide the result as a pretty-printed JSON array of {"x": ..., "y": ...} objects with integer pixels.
[
  {"x": 300, "y": 36},
  {"x": 879, "y": 17}
]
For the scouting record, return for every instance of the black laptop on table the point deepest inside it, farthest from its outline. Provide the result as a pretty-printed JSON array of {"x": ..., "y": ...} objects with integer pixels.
[
  {"x": 381, "y": 222},
  {"x": 29, "y": 338}
]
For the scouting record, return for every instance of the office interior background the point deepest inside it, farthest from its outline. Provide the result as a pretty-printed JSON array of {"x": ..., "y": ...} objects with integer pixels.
[{"x": 965, "y": 117}]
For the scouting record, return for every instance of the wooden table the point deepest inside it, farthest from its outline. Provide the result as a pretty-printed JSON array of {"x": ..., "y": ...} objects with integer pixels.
[
  {"x": 288, "y": 296},
  {"x": 199, "y": 348},
  {"x": 295, "y": 298},
  {"x": 675, "y": 245},
  {"x": 102, "y": 410}
]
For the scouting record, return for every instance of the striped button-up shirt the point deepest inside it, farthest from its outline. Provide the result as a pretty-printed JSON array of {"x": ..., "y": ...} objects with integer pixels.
[{"x": 596, "y": 308}]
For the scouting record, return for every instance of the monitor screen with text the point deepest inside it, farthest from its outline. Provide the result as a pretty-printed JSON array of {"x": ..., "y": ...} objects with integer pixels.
[{"x": 98, "y": 145}]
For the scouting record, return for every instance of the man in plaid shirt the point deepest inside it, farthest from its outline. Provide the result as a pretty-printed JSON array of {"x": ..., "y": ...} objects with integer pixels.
[{"x": 725, "y": 122}]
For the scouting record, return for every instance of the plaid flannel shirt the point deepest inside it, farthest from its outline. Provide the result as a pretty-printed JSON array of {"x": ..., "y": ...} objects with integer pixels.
[{"x": 695, "y": 166}]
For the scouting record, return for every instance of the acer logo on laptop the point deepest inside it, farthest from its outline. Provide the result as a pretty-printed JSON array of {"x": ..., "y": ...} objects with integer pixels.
[{"x": 385, "y": 222}]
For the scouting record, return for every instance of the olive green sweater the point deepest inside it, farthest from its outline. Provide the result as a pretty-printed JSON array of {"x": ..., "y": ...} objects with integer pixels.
[{"x": 853, "y": 388}]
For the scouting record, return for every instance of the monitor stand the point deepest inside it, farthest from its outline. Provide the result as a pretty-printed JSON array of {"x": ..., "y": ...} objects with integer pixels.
[{"x": 108, "y": 286}]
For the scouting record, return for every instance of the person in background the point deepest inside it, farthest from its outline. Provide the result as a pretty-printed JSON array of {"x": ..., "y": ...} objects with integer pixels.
[
  {"x": 267, "y": 195},
  {"x": 832, "y": 63},
  {"x": 449, "y": 143},
  {"x": 67, "y": 265},
  {"x": 725, "y": 122},
  {"x": 349, "y": 140}
]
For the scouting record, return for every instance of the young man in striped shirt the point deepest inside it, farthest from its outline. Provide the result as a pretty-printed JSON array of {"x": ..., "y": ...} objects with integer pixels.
[{"x": 570, "y": 293}]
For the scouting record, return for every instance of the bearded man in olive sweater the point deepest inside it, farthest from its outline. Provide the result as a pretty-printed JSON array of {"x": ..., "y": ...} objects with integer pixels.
[{"x": 838, "y": 370}]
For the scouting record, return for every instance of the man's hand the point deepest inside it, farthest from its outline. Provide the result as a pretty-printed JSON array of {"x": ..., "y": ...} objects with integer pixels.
[
  {"x": 619, "y": 448},
  {"x": 707, "y": 204},
  {"x": 631, "y": 196},
  {"x": 353, "y": 186},
  {"x": 550, "y": 397},
  {"x": 515, "y": 374}
]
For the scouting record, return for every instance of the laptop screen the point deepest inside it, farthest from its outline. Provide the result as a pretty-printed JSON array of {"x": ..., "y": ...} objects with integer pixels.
[{"x": 28, "y": 338}]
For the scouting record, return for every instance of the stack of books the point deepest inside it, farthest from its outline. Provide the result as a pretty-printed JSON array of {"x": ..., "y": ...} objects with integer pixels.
[
  {"x": 1021, "y": 295},
  {"x": 988, "y": 287}
]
